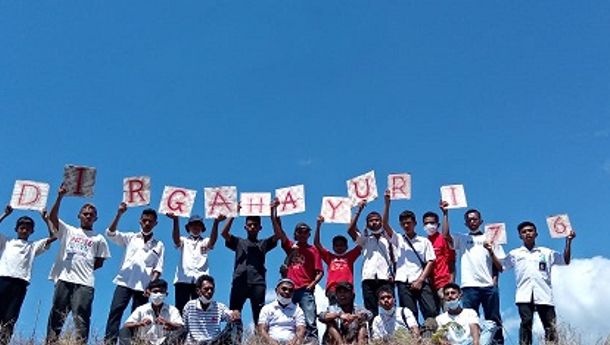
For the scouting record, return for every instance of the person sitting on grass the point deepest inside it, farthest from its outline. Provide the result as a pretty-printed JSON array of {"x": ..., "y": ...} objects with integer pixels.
[
  {"x": 392, "y": 321},
  {"x": 282, "y": 322}
]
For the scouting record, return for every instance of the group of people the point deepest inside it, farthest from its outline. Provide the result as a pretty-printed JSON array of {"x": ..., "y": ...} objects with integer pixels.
[{"x": 403, "y": 276}]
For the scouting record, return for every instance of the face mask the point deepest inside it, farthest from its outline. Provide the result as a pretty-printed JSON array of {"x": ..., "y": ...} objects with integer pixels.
[
  {"x": 453, "y": 305},
  {"x": 284, "y": 300},
  {"x": 157, "y": 298},
  {"x": 431, "y": 228},
  {"x": 205, "y": 300},
  {"x": 377, "y": 232},
  {"x": 388, "y": 312},
  {"x": 146, "y": 233}
]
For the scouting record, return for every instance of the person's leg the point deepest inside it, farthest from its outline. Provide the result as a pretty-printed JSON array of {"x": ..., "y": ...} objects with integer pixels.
[
  {"x": 549, "y": 319},
  {"x": 125, "y": 335},
  {"x": 11, "y": 305},
  {"x": 82, "y": 300},
  {"x": 257, "y": 300},
  {"x": 60, "y": 309},
  {"x": 471, "y": 298},
  {"x": 526, "y": 313},
  {"x": 239, "y": 293},
  {"x": 231, "y": 334},
  {"x": 181, "y": 294},
  {"x": 120, "y": 300},
  {"x": 138, "y": 299},
  {"x": 491, "y": 307},
  {"x": 427, "y": 302},
  {"x": 175, "y": 337},
  {"x": 308, "y": 305},
  {"x": 369, "y": 296},
  {"x": 406, "y": 298},
  {"x": 332, "y": 336}
]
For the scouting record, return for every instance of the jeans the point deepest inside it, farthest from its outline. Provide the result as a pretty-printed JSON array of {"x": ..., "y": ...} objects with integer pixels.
[
  {"x": 305, "y": 299},
  {"x": 12, "y": 294},
  {"x": 242, "y": 291},
  {"x": 75, "y": 298},
  {"x": 489, "y": 298},
  {"x": 184, "y": 292},
  {"x": 547, "y": 316},
  {"x": 120, "y": 300},
  {"x": 424, "y": 298},
  {"x": 369, "y": 293}
]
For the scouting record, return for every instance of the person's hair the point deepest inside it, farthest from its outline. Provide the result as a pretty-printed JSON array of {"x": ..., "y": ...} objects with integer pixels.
[
  {"x": 88, "y": 205},
  {"x": 372, "y": 214},
  {"x": 404, "y": 215},
  {"x": 452, "y": 286},
  {"x": 339, "y": 239},
  {"x": 150, "y": 212},
  {"x": 256, "y": 219},
  {"x": 472, "y": 210},
  {"x": 524, "y": 224},
  {"x": 24, "y": 219},
  {"x": 430, "y": 214},
  {"x": 204, "y": 278},
  {"x": 385, "y": 288},
  {"x": 157, "y": 283}
]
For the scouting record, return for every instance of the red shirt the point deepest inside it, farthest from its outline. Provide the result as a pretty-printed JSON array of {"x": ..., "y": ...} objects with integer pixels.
[
  {"x": 340, "y": 267},
  {"x": 445, "y": 257},
  {"x": 303, "y": 263}
]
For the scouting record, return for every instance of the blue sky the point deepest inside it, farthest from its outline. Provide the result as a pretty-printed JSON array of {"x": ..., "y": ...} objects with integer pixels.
[{"x": 508, "y": 98}]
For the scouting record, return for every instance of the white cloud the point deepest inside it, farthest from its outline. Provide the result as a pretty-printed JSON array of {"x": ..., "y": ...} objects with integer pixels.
[{"x": 304, "y": 162}]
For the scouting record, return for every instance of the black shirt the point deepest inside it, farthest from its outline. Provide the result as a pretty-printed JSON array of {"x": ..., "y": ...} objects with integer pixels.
[{"x": 250, "y": 258}]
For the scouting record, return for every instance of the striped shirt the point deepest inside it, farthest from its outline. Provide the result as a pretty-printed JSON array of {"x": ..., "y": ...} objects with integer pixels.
[{"x": 203, "y": 325}]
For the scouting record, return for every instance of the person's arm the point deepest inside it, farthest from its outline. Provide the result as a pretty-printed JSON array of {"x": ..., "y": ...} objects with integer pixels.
[
  {"x": 426, "y": 272},
  {"x": 158, "y": 269},
  {"x": 316, "y": 280},
  {"x": 443, "y": 205},
  {"x": 496, "y": 262},
  {"x": 115, "y": 221},
  {"x": 214, "y": 234},
  {"x": 385, "y": 220},
  {"x": 54, "y": 215},
  {"x": 52, "y": 231},
  {"x": 567, "y": 252},
  {"x": 137, "y": 324},
  {"x": 475, "y": 331},
  {"x": 316, "y": 236},
  {"x": 7, "y": 211},
  {"x": 352, "y": 230},
  {"x": 277, "y": 223},
  {"x": 175, "y": 229},
  {"x": 98, "y": 263},
  {"x": 300, "y": 336}
]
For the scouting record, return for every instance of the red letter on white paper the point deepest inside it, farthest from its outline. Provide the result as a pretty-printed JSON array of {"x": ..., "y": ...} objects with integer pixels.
[
  {"x": 496, "y": 233},
  {"x": 178, "y": 201},
  {"x": 454, "y": 195},
  {"x": 136, "y": 191},
  {"x": 220, "y": 200},
  {"x": 559, "y": 225},
  {"x": 363, "y": 187},
  {"x": 399, "y": 186},
  {"x": 30, "y": 195},
  {"x": 292, "y": 200},
  {"x": 336, "y": 209},
  {"x": 79, "y": 180},
  {"x": 255, "y": 204}
]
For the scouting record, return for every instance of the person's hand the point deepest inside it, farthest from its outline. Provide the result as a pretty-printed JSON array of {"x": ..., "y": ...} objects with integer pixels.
[
  {"x": 443, "y": 205},
  {"x": 8, "y": 210},
  {"x": 571, "y": 235},
  {"x": 221, "y": 217},
  {"x": 122, "y": 208},
  {"x": 417, "y": 284},
  {"x": 62, "y": 190},
  {"x": 361, "y": 205},
  {"x": 320, "y": 220},
  {"x": 348, "y": 318},
  {"x": 235, "y": 315},
  {"x": 386, "y": 196},
  {"x": 171, "y": 215},
  {"x": 145, "y": 323},
  {"x": 489, "y": 246},
  {"x": 275, "y": 203}
]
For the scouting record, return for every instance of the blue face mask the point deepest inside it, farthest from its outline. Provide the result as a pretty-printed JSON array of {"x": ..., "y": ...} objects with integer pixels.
[{"x": 453, "y": 305}]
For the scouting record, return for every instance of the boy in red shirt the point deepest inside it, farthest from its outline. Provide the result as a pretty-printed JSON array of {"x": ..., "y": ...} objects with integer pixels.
[
  {"x": 444, "y": 266},
  {"x": 340, "y": 263}
]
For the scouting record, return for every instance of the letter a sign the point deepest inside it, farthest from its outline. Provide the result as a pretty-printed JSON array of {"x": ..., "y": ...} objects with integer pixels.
[
  {"x": 30, "y": 195},
  {"x": 136, "y": 191},
  {"x": 559, "y": 225},
  {"x": 292, "y": 200},
  {"x": 178, "y": 201},
  {"x": 220, "y": 200},
  {"x": 363, "y": 187},
  {"x": 79, "y": 180}
]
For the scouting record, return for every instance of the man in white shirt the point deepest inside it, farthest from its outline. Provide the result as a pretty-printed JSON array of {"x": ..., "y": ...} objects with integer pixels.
[
  {"x": 533, "y": 266},
  {"x": 81, "y": 252},
  {"x": 142, "y": 263},
  {"x": 202, "y": 318},
  {"x": 414, "y": 263},
  {"x": 480, "y": 262},
  {"x": 392, "y": 321},
  {"x": 154, "y": 323},
  {"x": 282, "y": 322},
  {"x": 16, "y": 260},
  {"x": 457, "y": 325},
  {"x": 378, "y": 257}
]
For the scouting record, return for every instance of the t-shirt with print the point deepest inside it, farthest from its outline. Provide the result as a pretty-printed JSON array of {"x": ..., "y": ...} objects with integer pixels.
[
  {"x": 250, "y": 259},
  {"x": 457, "y": 327},
  {"x": 303, "y": 263},
  {"x": 445, "y": 258},
  {"x": 193, "y": 259},
  {"x": 17, "y": 257},
  {"x": 340, "y": 267},
  {"x": 76, "y": 256}
]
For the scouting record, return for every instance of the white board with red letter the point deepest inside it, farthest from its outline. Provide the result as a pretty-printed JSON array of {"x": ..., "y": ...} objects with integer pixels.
[
  {"x": 336, "y": 209},
  {"x": 30, "y": 195},
  {"x": 178, "y": 201},
  {"x": 454, "y": 195},
  {"x": 220, "y": 201},
  {"x": 496, "y": 233},
  {"x": 559, "y": 225},
  {"x": 255, "y": 204},
  {"x": 363, "y": 187},
  {"x": 136, "y": 191},
  {"x": 292, "y": 200},
  {"x": 399, "y": 186},
  {"x": 79, "y": 180}
]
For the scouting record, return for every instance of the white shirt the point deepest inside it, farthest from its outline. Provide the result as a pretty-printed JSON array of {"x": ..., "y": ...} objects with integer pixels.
[
  {"x": 17, "y": 257},
  {"x": 458, "y": 326},
  {"x": 376, "y": 253},
  {"x": 475, "y": 262},
  {"x": 193, "y": 259},
  {"x": 204, "y": 325},
  {"x": 408, "y": 266},
  {"x": 140, "y": 261},
  {"x": 76, "y": 256},
  {"x": 282, "y": 321},
  {"x": 533, "y": 273},
  {"x": 384, "y": 326},
  {"x": 154, "y": 333}
]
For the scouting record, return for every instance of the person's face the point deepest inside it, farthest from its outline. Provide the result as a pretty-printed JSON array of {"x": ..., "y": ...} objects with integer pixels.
[
  {"x": 156, "y": 290},
  {"x": 408, "y": 225},
  {"x": 386, "y": 300},
  {"x": 87, "y": 216},
  {"x": 339, "y": 247},
  {"x": 252, "y": 228},
  {"x": 373, "y": 222},
  {"x": 430, "y": 220},
  {"x": 24, "y": 231},
  {"x": 452, "y": 294},
  {"x": 528, "y": 234},
  {"x": 206, "y": 290},
  {"x": 147, "y": 222},
  {"x": 473, "y": 221},
  {"x": 285, "y": 290},
  {"x": 301, "y": 235},
  {"x": 196, "y": 228},
  {"x": 344, "y": 296}
]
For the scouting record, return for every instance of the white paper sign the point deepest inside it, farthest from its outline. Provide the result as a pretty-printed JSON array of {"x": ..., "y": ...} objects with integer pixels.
[
  {"x": 454, "y": 195},
  {"x": 336, "y": 209},
  {"x": 496, "y": 233},
  {"x": 178, "y": 201},
  {"x": 255, "y": 204},
  {"x": 220, "y": 200},
  {"x": 399, "y": 186},
  {"x": 363, "y": 187},
  {"x": 79, "y": 180},
  {"x": 30, "y": 195},
  {"x": 559, "y": 225},
  {"x": 292, "y": 200},
  {"x": 136, "y": 191}
]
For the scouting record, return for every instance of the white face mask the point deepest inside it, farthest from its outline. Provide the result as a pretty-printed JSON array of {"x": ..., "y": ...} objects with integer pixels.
[
  {"x": 453, "y": 305},
  {"x": 157, "y": 298},
  {"x": 284, "y": 300},
  {"x": 386, "y": 312},
  {"x": 205, "y": 300},
  {"x": 431, "y": 228},
  {"x": 377, "y": 232}
]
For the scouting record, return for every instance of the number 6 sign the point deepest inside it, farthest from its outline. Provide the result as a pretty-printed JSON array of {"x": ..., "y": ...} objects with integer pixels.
[{"x": 559, "y": 225}]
